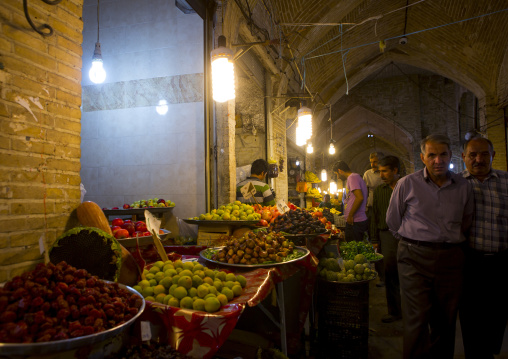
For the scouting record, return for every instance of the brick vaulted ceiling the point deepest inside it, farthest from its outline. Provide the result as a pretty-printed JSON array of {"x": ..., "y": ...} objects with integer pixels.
[{"x": 451, "y": 38}]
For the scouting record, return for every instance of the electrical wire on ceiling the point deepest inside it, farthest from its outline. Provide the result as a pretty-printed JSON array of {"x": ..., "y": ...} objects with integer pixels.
[
  {"x": 399, "y": 36},
  {"x": 377, "y": 17}
]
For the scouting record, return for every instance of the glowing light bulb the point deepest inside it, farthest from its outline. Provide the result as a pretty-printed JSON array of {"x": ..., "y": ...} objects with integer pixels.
[
  {"x": 324, "y": 175},
  {"x": 451, "y": 166},
  {"x": 162, "y": 107},
  {"x": 223, "y": 72},
  {"x": 331, "y": 150},
  {"x": 310, "y": 149},
  {"x": 333, "y": 187},
  {"x": 97, "y": 73}
]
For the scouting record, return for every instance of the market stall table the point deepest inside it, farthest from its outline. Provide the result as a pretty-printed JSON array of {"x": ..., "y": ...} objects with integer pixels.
[{"x": 201, "y": 334}]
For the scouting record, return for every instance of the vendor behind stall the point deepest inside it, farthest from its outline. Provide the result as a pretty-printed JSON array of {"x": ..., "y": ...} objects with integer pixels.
[
  {"x": 264, "y": 194},
  {"x": 326, "y": 202}
]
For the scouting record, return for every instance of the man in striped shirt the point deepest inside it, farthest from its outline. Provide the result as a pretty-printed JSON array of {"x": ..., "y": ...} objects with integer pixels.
[
  {"x": 264, "y": 194},
  {"x": 484, "y": 310},
  {"x": 389, "y": 168}
]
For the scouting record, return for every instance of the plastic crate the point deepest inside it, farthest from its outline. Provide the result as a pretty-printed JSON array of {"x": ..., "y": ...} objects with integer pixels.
[{"x": 343, "y": 319}]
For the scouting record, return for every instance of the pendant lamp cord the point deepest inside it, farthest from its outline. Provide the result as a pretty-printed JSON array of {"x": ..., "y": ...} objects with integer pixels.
[
  {"x": 98, "y": 3},
  {"x": 39, "y": 29}
]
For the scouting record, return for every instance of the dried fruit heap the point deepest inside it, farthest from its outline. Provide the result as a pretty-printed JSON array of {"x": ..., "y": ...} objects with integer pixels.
[
  {"x": 255, "y": 248},
  {"x": 297, "y": 221},
  {"x": 56, "y": 302}
]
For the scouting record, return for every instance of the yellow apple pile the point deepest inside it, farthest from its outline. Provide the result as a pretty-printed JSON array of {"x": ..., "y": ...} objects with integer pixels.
[{"x": 235, "y": 211}]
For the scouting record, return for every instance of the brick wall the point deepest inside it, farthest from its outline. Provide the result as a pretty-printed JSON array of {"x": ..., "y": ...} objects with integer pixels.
[{"x": 40, "y": 87}]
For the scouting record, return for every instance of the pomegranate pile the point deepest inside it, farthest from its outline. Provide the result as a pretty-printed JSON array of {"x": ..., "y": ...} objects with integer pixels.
[{"x": 57, "y": 302}]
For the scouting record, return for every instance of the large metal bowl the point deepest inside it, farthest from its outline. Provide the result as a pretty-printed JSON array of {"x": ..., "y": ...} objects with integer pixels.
[{"x": 37, "y": 349}]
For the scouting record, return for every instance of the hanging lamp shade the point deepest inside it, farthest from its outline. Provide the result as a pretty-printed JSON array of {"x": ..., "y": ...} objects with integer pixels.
[
  {"x": 305, "y": 121},
  {"x": 300, "y": 136},
  {"x": 223, "y": 72},
  {"x": 324, "y": 175},
  {"x": 310, "y": 149}
]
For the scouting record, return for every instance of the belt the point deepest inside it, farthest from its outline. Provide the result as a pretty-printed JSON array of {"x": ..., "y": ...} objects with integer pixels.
[{"x": 434, "y": 245}]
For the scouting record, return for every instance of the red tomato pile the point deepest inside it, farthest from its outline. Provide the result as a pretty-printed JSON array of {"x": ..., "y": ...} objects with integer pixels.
[{"x": 126, "y": 228}]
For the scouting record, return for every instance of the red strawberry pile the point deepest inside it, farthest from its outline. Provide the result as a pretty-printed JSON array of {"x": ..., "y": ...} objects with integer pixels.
[{"x": 57, "y": 302}]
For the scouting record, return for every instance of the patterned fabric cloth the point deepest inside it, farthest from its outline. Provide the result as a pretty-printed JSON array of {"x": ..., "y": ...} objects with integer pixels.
[
  {"x": 489, "y": 232},
  {"x": 263, "y": 194}
]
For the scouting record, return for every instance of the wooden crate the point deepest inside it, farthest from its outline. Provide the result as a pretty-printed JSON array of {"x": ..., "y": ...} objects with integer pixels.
[{"x": 210, "y": 235}]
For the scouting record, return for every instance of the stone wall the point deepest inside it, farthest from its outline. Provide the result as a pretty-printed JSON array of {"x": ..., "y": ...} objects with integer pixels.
[{"x": 40, "y": 129}]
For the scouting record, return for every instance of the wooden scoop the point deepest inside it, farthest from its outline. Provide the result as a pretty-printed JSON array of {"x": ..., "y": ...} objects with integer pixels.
[{"x": 91, "y": 215}]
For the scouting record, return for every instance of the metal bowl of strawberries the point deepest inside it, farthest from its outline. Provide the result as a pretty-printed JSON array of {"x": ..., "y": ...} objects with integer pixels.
[{"x": 56, "y": 308}]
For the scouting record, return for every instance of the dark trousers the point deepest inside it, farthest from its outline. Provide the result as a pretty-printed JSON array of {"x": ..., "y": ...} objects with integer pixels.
[
  {"x": 389, "y": 244},
  {"x": 356, "y": 231},
  {"x": 431, "y": 283},
  {"x": 483, "y": 311}
]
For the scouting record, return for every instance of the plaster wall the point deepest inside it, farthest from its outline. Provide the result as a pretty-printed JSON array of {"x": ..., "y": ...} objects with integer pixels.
[{"x": 151, "y": 52}]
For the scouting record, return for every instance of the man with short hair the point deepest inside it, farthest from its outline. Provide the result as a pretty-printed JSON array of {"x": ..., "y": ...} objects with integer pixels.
[
  {"x": 373, "y": 180},
  {"x": 264, "y": 194},
  {"x": 389, "y": 168},
  {"x": 354, "y": 202},
  {"x": 430, "y": 210},
  {"x": 484, "y": 309}
]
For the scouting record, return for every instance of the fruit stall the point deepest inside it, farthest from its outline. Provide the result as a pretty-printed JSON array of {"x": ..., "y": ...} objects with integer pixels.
[{"x": 122, "y": 277}]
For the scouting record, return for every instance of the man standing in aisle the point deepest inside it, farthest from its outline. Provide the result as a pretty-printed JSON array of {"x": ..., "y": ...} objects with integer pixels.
[
  {"x": 389, "y": 168},
  {"x": 484, "y": 310},
  {"x": 373, "y": 180},
  {"x": 354, "y": 202},
  {"x": 264, "y": 194},
  {"x": 430, "y": 210}
]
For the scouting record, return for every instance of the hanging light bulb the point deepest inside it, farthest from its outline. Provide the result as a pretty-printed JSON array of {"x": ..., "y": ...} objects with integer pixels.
[
  {"x": 97, "y": 73},
  {"x": 223, "y": 72},
  {"x": 305, "y": 121},
  {"x": 310, "y": 149},
  {"x": 333, "y": 187},
  {"x": 324, "y": 175},
  {"x": 162, "y": 107},
  {"x": 297, "y": 162},
  {"x": 331, "y": 150}
]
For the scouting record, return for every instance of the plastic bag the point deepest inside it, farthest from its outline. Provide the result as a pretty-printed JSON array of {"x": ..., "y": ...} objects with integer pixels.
[{"x": 83, "y": 191}]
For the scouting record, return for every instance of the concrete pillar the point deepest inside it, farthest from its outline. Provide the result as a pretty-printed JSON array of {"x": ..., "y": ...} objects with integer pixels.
[{"x": 225, "y": 152}]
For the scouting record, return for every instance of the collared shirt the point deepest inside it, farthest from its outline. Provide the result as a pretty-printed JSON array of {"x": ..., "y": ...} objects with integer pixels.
[
  {"x": 421, "y": 210},
  {"x": 263, "y": 194},
  {"x": 372, "y": 180},
  {"x": 489, "y": 232},
  {"x": 382, "y": 195},
  {"x": 355, "y": 181}
]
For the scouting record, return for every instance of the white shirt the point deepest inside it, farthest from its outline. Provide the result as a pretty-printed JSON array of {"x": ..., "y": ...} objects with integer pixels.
[{"x": 372, "y": 179}]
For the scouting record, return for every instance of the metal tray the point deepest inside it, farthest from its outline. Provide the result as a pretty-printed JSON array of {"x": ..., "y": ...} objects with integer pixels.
[
  {"x": 219, "y": 222},
  {"x": 303, "y": 250},
  {"x": 303, "y": 235},
  {"x": 37, "y": 349}
]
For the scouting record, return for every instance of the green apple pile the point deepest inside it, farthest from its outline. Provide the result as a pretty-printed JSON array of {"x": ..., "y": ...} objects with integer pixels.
[
  {"x": 356, "y": 269},
  {"x": 189, "y": 285},
  {"x": 152, "y": 202},
  {"x": 235, "y": 211}
]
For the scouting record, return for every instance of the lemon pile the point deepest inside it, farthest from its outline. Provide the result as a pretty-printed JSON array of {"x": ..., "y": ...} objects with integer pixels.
[
  {"x": 189, "y": 285},
  {"x": 356, "y": 269},
  {"x": 235, "y": 211}
]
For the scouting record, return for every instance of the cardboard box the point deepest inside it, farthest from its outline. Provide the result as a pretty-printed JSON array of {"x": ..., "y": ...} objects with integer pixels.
[{"x": 212, "y": 236}]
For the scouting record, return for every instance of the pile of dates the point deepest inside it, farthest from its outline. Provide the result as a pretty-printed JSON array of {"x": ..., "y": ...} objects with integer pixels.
[
  {"x": 57, "y": 302},
  {"x": 148, "y": 351},
  {"x": 255, "y": 248},
  {"x": 297, "y": 221}
]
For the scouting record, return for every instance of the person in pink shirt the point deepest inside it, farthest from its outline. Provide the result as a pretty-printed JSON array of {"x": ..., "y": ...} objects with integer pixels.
[{"x": 355, "y": 200}]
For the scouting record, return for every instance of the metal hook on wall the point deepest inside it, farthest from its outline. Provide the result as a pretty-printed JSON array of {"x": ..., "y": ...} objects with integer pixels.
[{"x": 43, "y": 26}]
